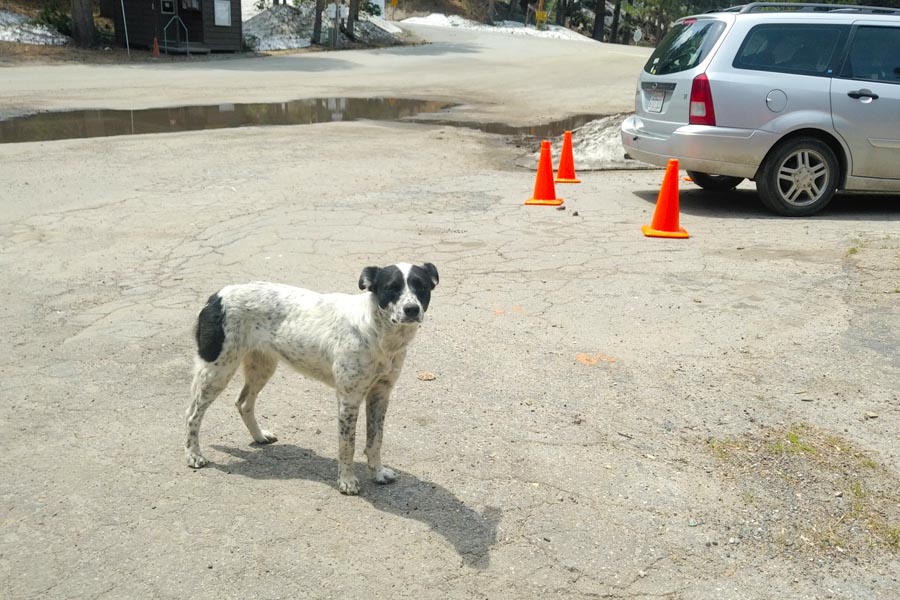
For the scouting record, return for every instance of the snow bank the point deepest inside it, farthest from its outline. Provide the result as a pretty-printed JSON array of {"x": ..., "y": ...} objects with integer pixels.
[
  {"x": 284, "y": 27},
  {"x": 19, "y": 28},
  {"x": 596, "y": 146},
  {"x": 507, "y": 27},
  {"x": 280, "y": 27}
]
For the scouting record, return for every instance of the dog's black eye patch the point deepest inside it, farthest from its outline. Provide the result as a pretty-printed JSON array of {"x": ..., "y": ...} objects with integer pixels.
[
  {"x": 420, "y": 282},
  {"x": 389, "y": 286}
]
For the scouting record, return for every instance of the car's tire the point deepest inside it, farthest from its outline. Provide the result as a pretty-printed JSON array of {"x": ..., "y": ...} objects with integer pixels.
[
  {"x": 799, "y": 177},
  {"x": 715, "y": 183}
]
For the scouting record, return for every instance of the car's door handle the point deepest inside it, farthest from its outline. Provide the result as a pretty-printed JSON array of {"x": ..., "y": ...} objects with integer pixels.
[{"x": 863, "y": 93}]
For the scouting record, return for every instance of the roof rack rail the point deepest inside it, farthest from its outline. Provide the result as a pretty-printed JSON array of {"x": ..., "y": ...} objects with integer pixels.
[{"x": 810, "y": 7}]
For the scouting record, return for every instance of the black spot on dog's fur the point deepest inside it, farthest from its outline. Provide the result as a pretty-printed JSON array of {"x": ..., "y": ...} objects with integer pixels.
[{"x": 210, "y": 330}]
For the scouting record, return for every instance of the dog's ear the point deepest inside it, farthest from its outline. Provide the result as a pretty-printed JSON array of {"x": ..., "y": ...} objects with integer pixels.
[
  {"x": 432, "y": 273},
  {"x": 367, "y": 278}
]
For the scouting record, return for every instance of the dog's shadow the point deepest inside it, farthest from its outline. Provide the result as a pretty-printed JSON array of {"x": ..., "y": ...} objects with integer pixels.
[{"x": 471, "y": 533}]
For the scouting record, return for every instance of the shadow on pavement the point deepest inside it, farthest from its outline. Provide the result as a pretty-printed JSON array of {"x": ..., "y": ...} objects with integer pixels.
[
  {"x": 436, "y": 49},
  {"x": 471, "y": 533},
  {"x": 294, "y": 62},
  {"x": 745, "y": 204}
]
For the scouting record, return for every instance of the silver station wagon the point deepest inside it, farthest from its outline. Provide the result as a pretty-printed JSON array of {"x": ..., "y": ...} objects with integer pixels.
[{"x": 804, "y": 99}]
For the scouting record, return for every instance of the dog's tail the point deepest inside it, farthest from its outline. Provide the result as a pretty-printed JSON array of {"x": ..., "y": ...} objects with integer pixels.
[{"x": 210, "y": 329}]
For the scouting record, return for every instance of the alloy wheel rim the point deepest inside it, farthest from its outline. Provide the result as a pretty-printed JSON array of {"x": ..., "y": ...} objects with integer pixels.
[{"x": 802, "y": 177}]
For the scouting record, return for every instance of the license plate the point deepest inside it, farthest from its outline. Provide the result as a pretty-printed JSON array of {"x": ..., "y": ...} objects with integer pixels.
[{"x": 655, "y": 101}]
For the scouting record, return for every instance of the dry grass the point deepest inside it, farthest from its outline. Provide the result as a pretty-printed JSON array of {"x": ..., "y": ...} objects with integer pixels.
[{"x": 812, "y": 491}]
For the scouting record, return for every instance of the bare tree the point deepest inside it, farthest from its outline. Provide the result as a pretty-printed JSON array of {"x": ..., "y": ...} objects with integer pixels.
[
  {"x": 83, "y": 23},
  {"x": 317, "y": 22},
  {"x": 352, "y": 17},
  {"x": 562, "y": 11},
  {"x": 599, "y": 16},
  {"x": 614, "y": 26}
]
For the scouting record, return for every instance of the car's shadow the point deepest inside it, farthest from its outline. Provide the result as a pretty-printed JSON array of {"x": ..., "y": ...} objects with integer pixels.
[
  {"x": 471, "y": 533},
  {"x": 743, "y": 203}
]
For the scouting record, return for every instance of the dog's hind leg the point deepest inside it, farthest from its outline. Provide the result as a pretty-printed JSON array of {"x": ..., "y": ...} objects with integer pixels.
[
  {"x": 209, "y": 381},
  {"x": 376, "y": 407},
  {"x": 258, "y": 368}
]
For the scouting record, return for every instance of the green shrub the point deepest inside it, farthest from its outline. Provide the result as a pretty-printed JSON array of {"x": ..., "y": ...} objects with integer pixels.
[{"x": 55, "y": 15}]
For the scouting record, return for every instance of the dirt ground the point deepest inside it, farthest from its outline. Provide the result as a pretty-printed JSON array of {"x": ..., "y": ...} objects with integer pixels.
[{"x": 610, "y": 416}]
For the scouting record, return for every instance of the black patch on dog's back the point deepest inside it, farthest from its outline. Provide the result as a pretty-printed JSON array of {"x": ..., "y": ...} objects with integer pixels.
[{"x": 210, "y": 330}]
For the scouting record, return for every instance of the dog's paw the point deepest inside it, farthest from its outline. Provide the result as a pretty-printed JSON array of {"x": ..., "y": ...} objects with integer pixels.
[
  {"x": 349, "y": 485},
  {"x": 196, "y": 461},
  {"x": 267, "y": 437},
  {"x": 384, "y": 475}
]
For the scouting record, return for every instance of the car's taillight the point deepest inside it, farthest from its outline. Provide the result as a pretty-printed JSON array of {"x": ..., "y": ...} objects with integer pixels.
[{"x": 702, "y": 111}]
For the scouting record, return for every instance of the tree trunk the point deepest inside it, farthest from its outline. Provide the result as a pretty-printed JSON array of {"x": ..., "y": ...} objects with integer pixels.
[
  {"x": 353, "y": 16},
  {"x": 599, "y": 15},
  {"x": 317, "y": 22},
  {"x": 614, "y": 26},
  {"x": 83, "y": 23},
  {"x": 562, "y": 9}
]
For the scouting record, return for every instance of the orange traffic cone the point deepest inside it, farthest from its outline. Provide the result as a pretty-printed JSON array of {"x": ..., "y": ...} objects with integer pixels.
[
  {"x": 155, "y": 47},
  {"x": 665, "y": 217},
  {"x": 566, "y": 172},
  {"x": 544, "y": 190}
]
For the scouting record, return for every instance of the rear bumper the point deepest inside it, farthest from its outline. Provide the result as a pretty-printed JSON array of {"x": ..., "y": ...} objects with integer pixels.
[{"x": 715, "y": 150}]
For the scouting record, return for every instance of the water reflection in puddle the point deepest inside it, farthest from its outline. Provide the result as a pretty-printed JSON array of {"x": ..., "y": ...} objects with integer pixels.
[{"x": 103, "y": 122}]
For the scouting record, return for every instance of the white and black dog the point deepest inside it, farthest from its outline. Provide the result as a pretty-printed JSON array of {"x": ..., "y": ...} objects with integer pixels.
[{"x": 355, "y": 343}]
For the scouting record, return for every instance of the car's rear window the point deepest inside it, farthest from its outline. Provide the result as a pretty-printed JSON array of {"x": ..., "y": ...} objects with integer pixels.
[
  {"x": 685, "y": 46},
  {"x": 799, "y": 49}
]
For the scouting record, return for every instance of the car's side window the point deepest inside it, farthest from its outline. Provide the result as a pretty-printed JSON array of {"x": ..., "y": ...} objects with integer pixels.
[
  {"x": 874, "y": 54},
  {"x": 799, "y": 49}
]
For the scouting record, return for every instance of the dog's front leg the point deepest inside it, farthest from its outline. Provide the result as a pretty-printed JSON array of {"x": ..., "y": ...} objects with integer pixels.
[
  {"x": 376, "y": 407},
  {"x": 348, "y": 411}
]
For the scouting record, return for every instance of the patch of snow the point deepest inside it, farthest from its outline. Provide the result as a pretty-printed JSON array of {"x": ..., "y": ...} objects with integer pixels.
[
  {"x": 284, "y": 27},
  {"x": 280, "y": 27},
  {"x": 596, "y": 146},
  {"x": 19, "y": 28},
  {"x": 384, "y": 24},
  {"x": 508, "y": 27}
]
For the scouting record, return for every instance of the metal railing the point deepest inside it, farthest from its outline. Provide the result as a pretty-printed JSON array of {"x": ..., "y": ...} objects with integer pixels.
[{"x": 187, "y": 40}]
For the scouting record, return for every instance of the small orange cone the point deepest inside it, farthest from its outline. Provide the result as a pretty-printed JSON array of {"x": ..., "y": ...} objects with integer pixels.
[
  {"x": 544, "y": 190},
  {"x": 665, "y": 217},
  {"x": 155, "y": 47},
  {"x": 566, "y": 172}
]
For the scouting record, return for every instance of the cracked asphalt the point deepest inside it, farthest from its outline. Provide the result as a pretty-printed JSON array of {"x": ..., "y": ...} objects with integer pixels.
[{"x": 579, "y": 368}]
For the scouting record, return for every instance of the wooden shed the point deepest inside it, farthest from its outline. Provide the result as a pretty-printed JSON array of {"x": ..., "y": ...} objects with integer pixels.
[{"x": 180, "y": 26}]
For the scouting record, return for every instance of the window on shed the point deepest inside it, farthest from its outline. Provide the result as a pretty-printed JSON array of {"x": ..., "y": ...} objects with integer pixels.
[{"x": 223, "y": 13}]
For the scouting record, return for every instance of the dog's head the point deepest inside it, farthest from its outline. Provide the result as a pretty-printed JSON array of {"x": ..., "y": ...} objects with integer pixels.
[{"x": 403, "y": 290}]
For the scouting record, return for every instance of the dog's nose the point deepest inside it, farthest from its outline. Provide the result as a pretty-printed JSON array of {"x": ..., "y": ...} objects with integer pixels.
[{"x": 411, "y": 310}]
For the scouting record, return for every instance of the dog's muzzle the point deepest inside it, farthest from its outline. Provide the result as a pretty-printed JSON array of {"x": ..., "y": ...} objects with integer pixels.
[{"x": 412, "y": 313}]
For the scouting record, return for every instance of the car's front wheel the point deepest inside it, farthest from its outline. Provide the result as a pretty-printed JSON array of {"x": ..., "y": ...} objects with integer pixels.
[
  {"x": 714, "y": 183},
  {"x": 799, "y": 177}
]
